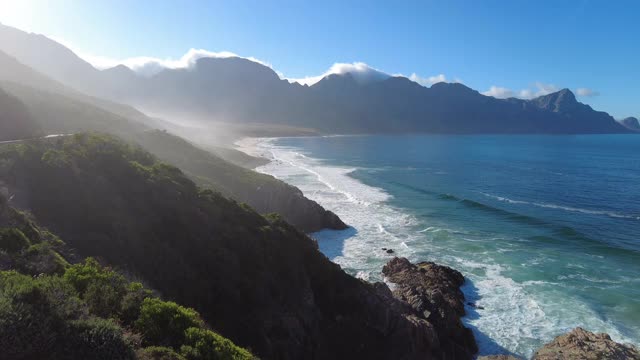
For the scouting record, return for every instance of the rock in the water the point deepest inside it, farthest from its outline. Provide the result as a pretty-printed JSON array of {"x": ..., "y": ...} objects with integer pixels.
[
  {"x": 473, "y": 305},
  {"x": 582, "y": 344},
  {"x": 390, "y": 251},
  {"x": 498, "y": 357},
  {"x": 433, "y": 291}
]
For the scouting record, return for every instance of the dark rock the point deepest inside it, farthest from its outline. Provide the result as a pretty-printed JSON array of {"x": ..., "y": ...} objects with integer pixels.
[
  {"x": 433, "y": 291},
  {"x": 390, "y": 251},
  {"x": 582, "y": 344},
  {"x": 473, "y": 305}
]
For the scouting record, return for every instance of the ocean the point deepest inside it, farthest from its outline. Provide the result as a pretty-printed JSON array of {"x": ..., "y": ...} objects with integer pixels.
[{"x": 546, "y": 229}]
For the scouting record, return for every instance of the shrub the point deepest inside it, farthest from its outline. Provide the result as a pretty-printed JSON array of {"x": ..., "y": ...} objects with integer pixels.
[
  {"x": 13, "y": 240},
  {"x": 203, "y": 344},
  {"x": 101, "y": 288},
  {"x": 94, "y": 338},
  {"x": 42, "y": 259},
  {"x": 132, "y": 301},
  {"x": 33, "y": 314},
  {"x": 164, "y": 322},
  {"x": 158, "y": 353},
  {"x": 27, "y": 325}
]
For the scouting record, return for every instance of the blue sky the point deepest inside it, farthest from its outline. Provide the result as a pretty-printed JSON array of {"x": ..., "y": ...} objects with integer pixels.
[{"x": 519, "y": 47}]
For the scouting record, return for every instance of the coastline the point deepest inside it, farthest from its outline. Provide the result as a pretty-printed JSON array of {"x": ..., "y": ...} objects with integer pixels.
[{"x": 364, "y": 207}]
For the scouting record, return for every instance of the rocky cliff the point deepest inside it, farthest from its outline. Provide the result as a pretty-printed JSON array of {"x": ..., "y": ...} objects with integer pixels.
[
  {"x": 582, "y": 344},
  {"x": 433, "y": 292}
]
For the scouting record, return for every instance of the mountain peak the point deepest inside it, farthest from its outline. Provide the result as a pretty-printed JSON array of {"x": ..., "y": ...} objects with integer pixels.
[
  {"x": 557, "y": 101},
  {"x": 631, "y": 123}
]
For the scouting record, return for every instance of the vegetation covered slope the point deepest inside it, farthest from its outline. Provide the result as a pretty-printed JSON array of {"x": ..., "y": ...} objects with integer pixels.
[
  {"x": 264, "y": 193},
  {"x": 261, "y": 282},
  {"x": 15, "y": 120},
  {"x": 52, "y": 309}
]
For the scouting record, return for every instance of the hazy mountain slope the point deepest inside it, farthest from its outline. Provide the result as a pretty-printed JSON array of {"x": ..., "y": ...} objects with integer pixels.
[
  {"x": 48, "y": 57},
  {"x": 11, "y": 70},
  {"x": 16, "y": 122},
  {"x": 264, "y": 193},
  {"x": 60, "y": 114},
  {"x": 262, "y": 283}
]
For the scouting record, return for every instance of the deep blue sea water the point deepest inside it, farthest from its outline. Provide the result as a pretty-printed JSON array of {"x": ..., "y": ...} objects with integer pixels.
[{"x": 545, "y": 228}]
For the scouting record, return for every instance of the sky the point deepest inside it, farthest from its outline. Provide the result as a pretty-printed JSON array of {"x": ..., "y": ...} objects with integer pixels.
[{"x": 501, "y": 48}]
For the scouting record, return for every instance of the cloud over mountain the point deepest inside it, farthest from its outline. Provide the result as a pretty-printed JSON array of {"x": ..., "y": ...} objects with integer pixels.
[
  {"x": 148, "y": 66},
  {"x": 360, "y": 71},
  {"x": 538, "y": 89}
]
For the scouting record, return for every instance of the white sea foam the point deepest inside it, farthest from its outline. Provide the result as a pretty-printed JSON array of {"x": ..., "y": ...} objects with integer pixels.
[{"x": 518, "y": 317}]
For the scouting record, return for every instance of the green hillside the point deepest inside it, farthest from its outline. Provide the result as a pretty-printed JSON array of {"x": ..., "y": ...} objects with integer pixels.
[{"x": 54, "y": 310}]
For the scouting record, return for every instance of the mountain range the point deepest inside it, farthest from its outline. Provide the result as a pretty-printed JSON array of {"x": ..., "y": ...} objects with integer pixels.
[{"x": 237, "y": 90}]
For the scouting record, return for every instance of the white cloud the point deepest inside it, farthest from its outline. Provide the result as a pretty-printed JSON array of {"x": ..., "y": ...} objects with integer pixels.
[
  {"x": 545, "y": 89},
  {"x": 586, "y": 92},
  {"x": 149, "y": 65},
  {"x": 538, "y": 89},
  {"x": 360, "y": 71},
  {"x": 428, "y": 81},
  {"x": 499, "y": 92}
]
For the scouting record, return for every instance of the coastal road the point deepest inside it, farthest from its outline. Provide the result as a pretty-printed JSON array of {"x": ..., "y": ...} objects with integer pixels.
[{"x": 43, "y": 137}]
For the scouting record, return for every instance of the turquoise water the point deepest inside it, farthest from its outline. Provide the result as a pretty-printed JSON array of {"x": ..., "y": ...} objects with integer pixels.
[{"x": 545, "y": 228}]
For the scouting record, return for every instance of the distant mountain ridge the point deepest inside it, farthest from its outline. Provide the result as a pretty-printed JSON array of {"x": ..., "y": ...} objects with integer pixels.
[
  {"x": 238, "y": 90},
  {"x": 631, "y": 123}
]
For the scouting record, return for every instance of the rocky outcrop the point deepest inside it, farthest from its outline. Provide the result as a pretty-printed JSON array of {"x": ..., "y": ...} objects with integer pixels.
[
  {"x": 433, "y": 292},
  {"x": 582, "y": 344}
]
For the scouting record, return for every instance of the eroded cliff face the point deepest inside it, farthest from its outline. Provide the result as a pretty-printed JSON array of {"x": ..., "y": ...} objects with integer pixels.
[
  {"x": 583, "y": 344},
  {"x": 433, "y": 292}
]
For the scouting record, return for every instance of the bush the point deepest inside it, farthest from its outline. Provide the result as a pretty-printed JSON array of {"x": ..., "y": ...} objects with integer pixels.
[
  {"x": 42, "y": 259},
  {"x": 95, "y": 339},
  {"x": 158, "y": 353},
  {"x": 132, "y": 301},
  {"x": 101, "y": 288},
  {"x": 13, "y": 240},
  {"x": 33, "y": 314},
  {"x": 203, "y": 344},
  {"x": 164, "y": 322},
  {"x": 27, "y": 324}
]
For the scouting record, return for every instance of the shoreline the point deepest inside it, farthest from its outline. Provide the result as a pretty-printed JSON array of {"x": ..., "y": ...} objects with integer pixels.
[{"x": 355, "y": 251}]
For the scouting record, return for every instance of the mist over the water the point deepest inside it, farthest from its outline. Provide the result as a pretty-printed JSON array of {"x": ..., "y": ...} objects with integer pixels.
[{"x": 545, "y": 228}]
